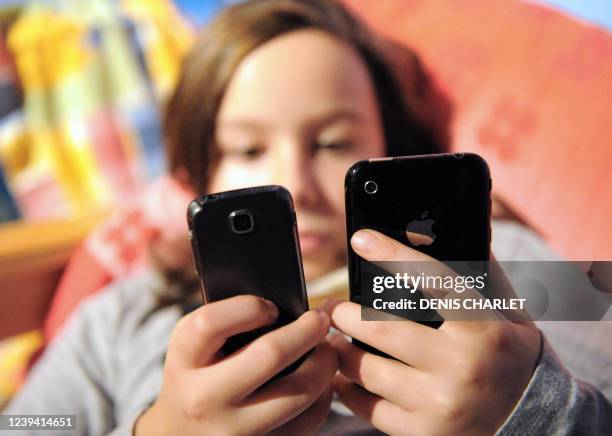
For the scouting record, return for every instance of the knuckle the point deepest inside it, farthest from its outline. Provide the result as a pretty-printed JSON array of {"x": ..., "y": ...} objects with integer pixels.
[
  {"x": 179, "y": 327},
  {"x": 449, "y": 407},
  {"x": 312, "y": 318},
  {"x": 310, "y": 323},
  {"x": 498, "y": 338},
  {"x": 470, "y": 370},
  {"x": 378, "y": 329},
  {"x": 271, "y": 351},
  {"x": 471, "y": 379},
  {"x": 370, "y": 375},
  {"x": 202, "y": 323},
  {"x": 254, "y": 304},
  {"x": 194, "y": 406}
]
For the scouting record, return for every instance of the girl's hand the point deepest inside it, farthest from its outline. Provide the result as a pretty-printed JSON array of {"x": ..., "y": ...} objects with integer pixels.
[
  {"x": 206, "y": 393},
  {"x": 463, "y": 378}
]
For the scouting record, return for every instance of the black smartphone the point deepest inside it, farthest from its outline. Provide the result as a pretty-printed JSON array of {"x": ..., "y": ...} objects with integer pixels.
[
  {"x": 246, "y": 242},
  {"x": 438, "y": 204}
]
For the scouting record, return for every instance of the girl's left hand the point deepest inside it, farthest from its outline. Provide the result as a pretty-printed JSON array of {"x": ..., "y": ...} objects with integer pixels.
[{"x": 465, "y": 377}]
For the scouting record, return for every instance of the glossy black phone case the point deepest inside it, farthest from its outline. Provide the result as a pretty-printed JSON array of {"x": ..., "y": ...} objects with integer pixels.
[
  {"x": 448, "y": 192},
  {"x": 265, "y": 261}
]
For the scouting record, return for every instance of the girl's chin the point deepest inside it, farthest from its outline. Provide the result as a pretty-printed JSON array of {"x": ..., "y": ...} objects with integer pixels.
[{"x": 316, "y": 268}]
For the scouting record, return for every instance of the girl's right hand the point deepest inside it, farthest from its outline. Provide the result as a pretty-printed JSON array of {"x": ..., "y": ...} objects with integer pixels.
[{"x": 204, "y": 392}]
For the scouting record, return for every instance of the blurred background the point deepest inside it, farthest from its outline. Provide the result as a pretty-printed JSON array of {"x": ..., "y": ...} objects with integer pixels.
[{"x": 83, "y": 84}]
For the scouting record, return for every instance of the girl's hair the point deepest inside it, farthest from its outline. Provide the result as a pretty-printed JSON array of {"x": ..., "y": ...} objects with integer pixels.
[
  {"x": 401, "y": 85},
  {"x": 239, "y": 29}
]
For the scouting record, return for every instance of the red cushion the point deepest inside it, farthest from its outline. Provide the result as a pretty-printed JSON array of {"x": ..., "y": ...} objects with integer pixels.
[
  {"x": 532, "y": 93},
  {"x": 83, "y": 277},
  {"x": 121, "y": 245}
]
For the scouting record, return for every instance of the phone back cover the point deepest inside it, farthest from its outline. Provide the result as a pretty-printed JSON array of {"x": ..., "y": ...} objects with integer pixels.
[
  {"x": 265, "y": 262},
  {"x": 445, "y": 197}
]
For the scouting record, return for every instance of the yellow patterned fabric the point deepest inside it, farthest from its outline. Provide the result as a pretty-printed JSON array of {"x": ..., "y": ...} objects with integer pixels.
[
  {"x": 15, "y": 354},
  {"x": 93, "y": 76}
]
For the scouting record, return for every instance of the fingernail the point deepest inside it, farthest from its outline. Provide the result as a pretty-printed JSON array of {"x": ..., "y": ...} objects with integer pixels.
[
  {"x": 327, "y": 304},
  {"x": 324, "y": 318},
  {"x": 364, "y": 241},
  {"x": 271, "y": 308}
]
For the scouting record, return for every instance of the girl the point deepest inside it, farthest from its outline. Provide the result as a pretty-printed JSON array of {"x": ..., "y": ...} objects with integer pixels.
[{"x": 292, "y": 92}]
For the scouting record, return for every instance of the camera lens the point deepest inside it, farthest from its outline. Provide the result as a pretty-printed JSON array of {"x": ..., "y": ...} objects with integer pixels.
[
  {"x": 241, "y": 221},
  {"x": 370, "y": 187}
]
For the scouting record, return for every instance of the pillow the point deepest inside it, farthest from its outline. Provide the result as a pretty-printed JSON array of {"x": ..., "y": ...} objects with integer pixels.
[
  {"x": 532, "y": 93},
  {"x": 121, "y": 245}
]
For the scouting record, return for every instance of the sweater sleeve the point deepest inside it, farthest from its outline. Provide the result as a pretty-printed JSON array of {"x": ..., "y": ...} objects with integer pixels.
[
  {"x": 556, "y": 403},
  {"x": 72, "y": 376},
  {"x": 127, "y": 428}
]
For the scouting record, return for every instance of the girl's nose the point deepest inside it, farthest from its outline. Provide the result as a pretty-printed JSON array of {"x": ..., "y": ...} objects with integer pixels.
[{"x": 295, "y": 170}]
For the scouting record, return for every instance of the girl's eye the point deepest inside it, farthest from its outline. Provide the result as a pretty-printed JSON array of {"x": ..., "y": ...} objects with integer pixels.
[
  {"x": 252, "y": 152},
  {"x": 335, "y": 146},
  {"x": 247, "y": 153}
]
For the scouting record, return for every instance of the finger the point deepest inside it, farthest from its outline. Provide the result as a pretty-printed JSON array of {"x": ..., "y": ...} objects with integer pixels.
[
  {"x": 384, "y": 377},
  {"x": 398, "y": 258},
  {"x": 412, "y": 343},
  {"x": 267, "y": 355},
  {"x": 309, "y": 421},
  {"x": 381, "y": 413},
  {"x": 283, "y": 399},
  {"x": 499, "y": 287},
  {"x": 375, "y": 246},
  {"x": 199, "y": 335}
]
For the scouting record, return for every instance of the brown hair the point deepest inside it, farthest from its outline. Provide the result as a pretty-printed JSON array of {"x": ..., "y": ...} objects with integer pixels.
[
  {"x": 239, "y": 29},
  {"x": 402, "y": 89}
]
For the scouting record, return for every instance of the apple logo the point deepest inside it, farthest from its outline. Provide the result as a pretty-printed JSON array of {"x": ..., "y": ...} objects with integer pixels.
[{"x": 419, "y": 231}]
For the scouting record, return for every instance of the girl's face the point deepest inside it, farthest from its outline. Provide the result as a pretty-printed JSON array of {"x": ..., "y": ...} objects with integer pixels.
[{"x": 298, "y": 112}]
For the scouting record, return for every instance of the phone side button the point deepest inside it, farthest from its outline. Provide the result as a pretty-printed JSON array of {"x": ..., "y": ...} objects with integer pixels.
[
  {"x": 490, "y": 184},
  {"x": 195, "y": 268}
]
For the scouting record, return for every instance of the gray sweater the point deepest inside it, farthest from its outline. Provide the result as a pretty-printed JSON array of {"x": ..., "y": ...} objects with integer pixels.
[{"x": 106, "y": 367}]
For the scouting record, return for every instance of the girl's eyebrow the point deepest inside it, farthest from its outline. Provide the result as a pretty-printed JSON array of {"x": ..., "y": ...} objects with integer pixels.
[
  {"x": 327, "y": 117},
  {"x": 343, "y": 114}
]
